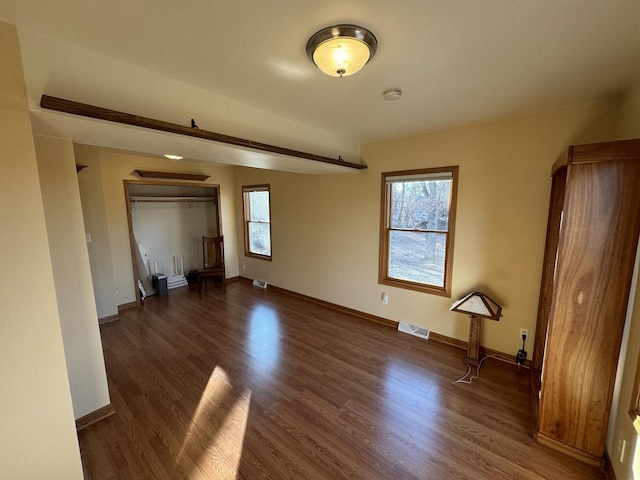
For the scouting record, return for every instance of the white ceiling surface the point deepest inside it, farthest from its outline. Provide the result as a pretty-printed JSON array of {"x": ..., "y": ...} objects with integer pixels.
[{"x": 457, "y": 62}]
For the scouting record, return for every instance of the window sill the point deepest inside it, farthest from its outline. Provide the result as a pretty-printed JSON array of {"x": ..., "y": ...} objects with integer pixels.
[
  {"x": 259, "y": 257},
  {"x": 418, "y": 287}
]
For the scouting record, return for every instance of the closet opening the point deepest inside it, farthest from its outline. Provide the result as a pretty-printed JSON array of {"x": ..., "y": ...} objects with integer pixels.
[{"x": 166, "y": 223}]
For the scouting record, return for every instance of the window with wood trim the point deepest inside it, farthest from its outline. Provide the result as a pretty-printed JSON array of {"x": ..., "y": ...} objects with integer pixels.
[
  {"x": 256, "y": 201},
  {"x": 417, "y": 229}
]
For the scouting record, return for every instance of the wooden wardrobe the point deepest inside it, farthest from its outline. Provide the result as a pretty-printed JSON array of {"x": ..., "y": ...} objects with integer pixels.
[{"x": 592, "y": 236}]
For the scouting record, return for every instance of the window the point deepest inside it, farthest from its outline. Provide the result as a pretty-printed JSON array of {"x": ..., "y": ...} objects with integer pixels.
[
  {"x": 257, "y": 221},
  {"x": 417, "y": 227}
]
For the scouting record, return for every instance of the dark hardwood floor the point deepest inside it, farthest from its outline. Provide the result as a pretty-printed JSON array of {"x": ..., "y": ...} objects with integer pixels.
[{"x": 253, "y": 384}]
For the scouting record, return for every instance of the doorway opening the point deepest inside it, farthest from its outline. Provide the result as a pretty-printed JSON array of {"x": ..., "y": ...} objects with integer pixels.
[{"x": 167, "y": 221}]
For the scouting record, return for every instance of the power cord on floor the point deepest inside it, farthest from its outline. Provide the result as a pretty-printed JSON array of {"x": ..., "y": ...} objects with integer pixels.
[{"x": 469, "y": 380}]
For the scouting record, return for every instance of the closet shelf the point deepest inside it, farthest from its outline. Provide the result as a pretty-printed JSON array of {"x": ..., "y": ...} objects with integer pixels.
[{"x": 135, "y": 199}]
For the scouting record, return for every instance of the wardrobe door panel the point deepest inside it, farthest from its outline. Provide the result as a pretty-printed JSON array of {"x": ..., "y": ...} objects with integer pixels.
[
  {"x": 600, "y": 227},
  {"x": 548, "y": 269}
]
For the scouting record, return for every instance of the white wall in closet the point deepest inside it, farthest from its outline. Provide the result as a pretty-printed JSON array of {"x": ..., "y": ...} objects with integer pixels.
[{"x": 174, "y": 228}]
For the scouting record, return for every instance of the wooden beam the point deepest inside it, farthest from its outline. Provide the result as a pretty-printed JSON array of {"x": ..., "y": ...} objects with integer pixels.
[{"x": 75, "y": 108}]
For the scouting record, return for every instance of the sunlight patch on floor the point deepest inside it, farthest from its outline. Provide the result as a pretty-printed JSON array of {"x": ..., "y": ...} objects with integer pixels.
[
  {"x": 216, "y": 431},
  {"x": 263, "y": 341}
]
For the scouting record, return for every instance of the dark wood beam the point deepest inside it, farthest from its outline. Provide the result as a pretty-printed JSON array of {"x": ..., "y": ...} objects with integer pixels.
[
  {"x": 172, "y": 175},
  {"x": 68, "y": 106}
]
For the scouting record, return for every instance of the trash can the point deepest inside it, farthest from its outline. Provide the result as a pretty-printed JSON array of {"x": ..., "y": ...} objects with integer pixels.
[{"x": 159, "y": 282}]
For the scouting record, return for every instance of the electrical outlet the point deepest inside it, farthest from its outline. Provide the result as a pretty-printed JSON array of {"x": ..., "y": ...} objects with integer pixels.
[
  {"x": 525, "y": 332},
  {"x": 385, "y": 298}
]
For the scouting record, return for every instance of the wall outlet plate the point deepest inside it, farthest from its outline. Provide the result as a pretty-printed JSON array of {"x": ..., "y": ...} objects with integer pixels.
[{"x": 525, "y": 332}]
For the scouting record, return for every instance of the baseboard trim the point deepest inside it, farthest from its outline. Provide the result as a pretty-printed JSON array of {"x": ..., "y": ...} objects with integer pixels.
[
  {"x": 436, "y": 337},
  {"x": 108, "y": 319},
  {"x": 489, "y": 352},
  {"x": 127, "y": 306},
  {"x": 95, "y": 416},
  {"x": 334, "y": 306},
  {"x": 554, "y": 444},
  {"x": 611, "y": 475},
  {"x": 454, "y": 342}
]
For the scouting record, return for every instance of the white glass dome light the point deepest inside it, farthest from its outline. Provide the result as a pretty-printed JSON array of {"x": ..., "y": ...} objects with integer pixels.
[{"x": 342, "y": 50}]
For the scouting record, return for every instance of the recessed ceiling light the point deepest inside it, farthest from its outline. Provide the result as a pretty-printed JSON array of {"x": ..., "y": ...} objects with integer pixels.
[
  {"x": 173, "y": 157},
  {"x": 392, "y": 94}
]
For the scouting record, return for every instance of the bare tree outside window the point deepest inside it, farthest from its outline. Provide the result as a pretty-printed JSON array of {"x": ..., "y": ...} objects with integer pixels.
[
  {"x": 417, "y": 229},
  {"x": 257, "y": 221}
]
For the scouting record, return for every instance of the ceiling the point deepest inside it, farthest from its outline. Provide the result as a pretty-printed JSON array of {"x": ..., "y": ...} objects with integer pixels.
[{"x": 457, "y": 61}]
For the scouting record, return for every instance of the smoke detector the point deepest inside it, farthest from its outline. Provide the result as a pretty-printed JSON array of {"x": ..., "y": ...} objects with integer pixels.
[{"x": 392, "y": 94}]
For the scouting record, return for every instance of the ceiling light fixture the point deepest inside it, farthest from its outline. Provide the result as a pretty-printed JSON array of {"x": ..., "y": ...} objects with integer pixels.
[
  {"x": 173, "y": 157},
  {"x": 342, "y": 50}
]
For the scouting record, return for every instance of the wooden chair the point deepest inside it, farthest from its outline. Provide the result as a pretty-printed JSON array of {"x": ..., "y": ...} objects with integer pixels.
[{"x": 213, "y": 262}]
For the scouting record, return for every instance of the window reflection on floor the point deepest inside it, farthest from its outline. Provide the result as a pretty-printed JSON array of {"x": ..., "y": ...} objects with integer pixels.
[{"x": 263, "y": 339}]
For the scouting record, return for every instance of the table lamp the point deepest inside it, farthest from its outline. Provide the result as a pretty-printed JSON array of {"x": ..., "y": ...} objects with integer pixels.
[{"x": 477, "y": 305}]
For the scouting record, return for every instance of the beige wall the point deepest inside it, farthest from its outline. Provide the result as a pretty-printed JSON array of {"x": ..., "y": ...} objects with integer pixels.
[
  {"x": 114, "y": 168},
  {"x": 629, "y": 124},
  {"x": 620, "y": 424},
  {"x": 72, "y": 275},
  {"x": 95, "y": 222},
  {"x": 37, "y": 429},
  {"x": 326, "y": 228}
]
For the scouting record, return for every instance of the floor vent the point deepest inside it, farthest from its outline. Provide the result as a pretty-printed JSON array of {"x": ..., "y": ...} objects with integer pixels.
[
  {"x": 421, "y": 332},
  {"x": 260, "y": 283}
]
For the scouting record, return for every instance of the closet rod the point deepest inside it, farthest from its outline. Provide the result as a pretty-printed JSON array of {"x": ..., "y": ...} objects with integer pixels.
[{"x": 172, "y": 199}]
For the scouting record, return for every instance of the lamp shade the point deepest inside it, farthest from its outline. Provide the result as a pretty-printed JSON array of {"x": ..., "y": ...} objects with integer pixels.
[
  {"x": 342, "y": 50},
  {"x": 478, "y": 304}
]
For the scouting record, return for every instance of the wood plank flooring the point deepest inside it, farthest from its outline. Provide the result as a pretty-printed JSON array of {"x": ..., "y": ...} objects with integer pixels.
[{"x": 253, "y": 384}]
